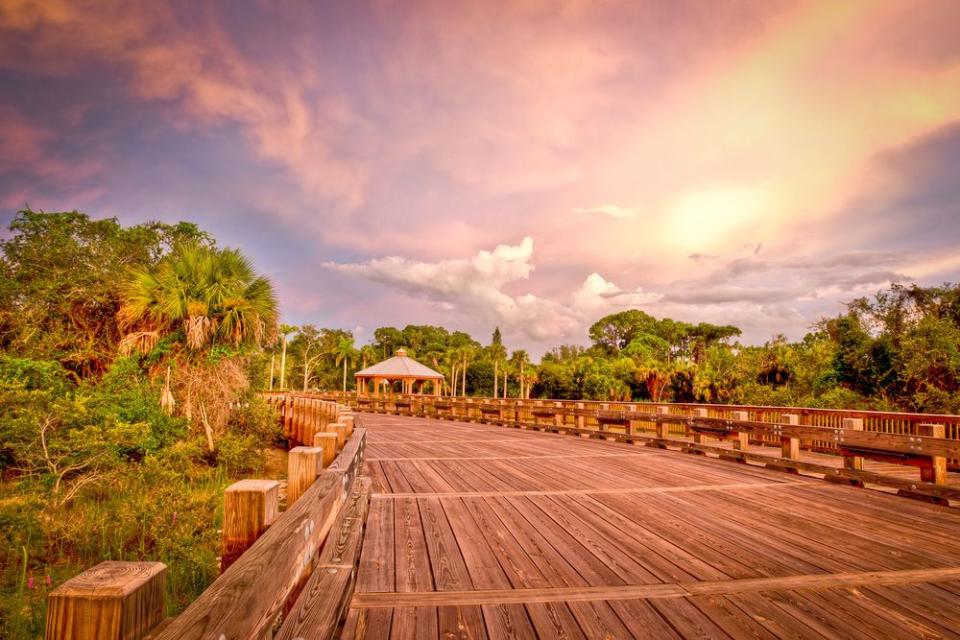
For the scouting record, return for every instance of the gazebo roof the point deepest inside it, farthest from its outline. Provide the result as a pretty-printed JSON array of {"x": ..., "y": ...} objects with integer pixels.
[{"x": 399, "y": 366}]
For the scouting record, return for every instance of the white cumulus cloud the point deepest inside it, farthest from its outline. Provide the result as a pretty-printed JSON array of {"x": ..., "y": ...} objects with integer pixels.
[{"x": 474, "y": 287}]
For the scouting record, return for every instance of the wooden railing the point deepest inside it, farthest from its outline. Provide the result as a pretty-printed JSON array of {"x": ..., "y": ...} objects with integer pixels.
[
  {"x": 285, "y": 574},
  {"x": 925, "y": 441}
]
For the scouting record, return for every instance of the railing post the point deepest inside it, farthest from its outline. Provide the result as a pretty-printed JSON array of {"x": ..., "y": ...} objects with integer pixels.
[
  {"x": 663, "y": 428},
  {"x": 347, "y": 419},
  {"x": 699, "y": 438},
  {"x": 112, "y": 600},
  {"x": 249, "y": 507},
  {"x": 789, "y": 445},
  {"x": 328, "y": 442},
  {"x": 340, "y": 430},
  {"x": 581, "y": 420},
  {"x": 303, "y": 465},
  {"x": 936, "y": 472},
  {"x": 743, "y": 436},
  {"x": 853, "y": 462}
]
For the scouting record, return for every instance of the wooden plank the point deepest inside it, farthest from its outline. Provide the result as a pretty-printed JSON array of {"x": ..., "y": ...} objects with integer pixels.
[
  {"x": 642, "y": 619},
  {"x": 449, "y": 571},
  {"x": 482, "y": 564},
  {"x": 412, "y": 623},
  {"x": 377, "y": 565},
  {"x": 465, "y": 622},
  {"x": 411, "y": 555},
  {"x": 554, "y": 620},
  {"x": 598, "y": 620},
  {"x": 367, "y": 624},
  {"x": 317, "y": 612},
  {"x": 657, "y": 591},
  {"x": 508, "y": 621},
  {"x": 516, "y": 564}
]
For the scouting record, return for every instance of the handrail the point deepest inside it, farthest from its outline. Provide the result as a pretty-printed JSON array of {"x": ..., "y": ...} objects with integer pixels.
[
  {"x": 925, "y": 445},
  {"x": 886, "y": 422}
]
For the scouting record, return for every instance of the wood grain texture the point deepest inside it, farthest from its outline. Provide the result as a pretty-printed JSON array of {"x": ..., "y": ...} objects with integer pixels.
[
  {"x": 112, "y": 600},
  {"x": 563, "y": 537},
  {"x": 246, "y": 600},
  {"x": 249, "y": 507},
  {"x": 317, "y": 612}
]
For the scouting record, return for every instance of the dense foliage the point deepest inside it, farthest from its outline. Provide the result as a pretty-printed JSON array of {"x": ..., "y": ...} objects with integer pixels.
[
  {"x": 128, "y": 356},
  {"x": 899, "y": 350}
]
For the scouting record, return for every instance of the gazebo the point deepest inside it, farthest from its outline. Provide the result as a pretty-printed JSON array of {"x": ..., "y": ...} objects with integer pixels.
[{"x": 399, "y": 368}]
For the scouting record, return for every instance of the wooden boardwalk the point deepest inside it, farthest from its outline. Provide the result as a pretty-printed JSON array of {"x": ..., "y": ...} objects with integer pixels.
[{"x": 484, "y": 531}]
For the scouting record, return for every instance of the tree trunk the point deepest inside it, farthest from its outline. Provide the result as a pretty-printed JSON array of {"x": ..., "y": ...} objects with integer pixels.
[
  {"x": 522, "y": 381},
  {"x": 496, "y": 364},
  {"x": 344, "y": 375},
  {"x": 208, "y": 430},
  {"x": 463, "y": 386},
  {"x": 453, "y": 381},
  {"x": 273, "y": 358},
  {"x": 283, "y": 365}
]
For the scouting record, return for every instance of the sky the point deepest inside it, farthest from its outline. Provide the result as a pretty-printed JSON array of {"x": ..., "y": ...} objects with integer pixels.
[{"x": 532, "y": 165}]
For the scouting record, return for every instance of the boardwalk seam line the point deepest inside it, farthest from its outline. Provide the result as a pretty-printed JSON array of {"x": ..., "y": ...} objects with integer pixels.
[
  {"x": 734, "y": 486},
  {"x": 650, "y": 591}
]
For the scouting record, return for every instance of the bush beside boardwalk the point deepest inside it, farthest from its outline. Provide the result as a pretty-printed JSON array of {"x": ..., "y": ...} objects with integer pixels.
[{"x": 93, "y": 467}]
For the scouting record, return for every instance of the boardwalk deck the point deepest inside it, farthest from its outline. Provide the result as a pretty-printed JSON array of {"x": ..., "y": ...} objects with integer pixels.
[{"x": 479, "y": 531}]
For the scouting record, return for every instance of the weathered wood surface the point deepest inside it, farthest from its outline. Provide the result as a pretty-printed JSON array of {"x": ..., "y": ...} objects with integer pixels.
[
  {"x": 483, "y": 531},
  {"x": 246, "y": 601},
  {"x": 818, "y": 428},
  {"x": 249, "y": 507},
  {"x": 924, "y": 446},
  {"x": 111, "y": 601},
  {"x": 318, "y": 610}
]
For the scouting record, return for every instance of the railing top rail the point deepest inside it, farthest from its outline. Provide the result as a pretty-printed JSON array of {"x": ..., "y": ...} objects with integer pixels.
[{"x": 912, "y": 416}]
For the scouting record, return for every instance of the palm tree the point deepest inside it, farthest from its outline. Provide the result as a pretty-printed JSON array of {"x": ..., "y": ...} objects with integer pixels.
[
  {"x": 214, "y": 295},
  {"x": 285, "y": 330},
  {"x": 452, "y": 358},
  {"x": 215, "y": 298},
  {"x": 519, "y": 359},
  {"x": 466, "y": 352},
  {"x": 367, "y": 354},
  {"x": 344, "y": 352}
]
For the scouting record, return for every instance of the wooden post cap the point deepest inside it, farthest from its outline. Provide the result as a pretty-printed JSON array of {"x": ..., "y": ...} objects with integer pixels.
[
  {"x": 700, "y": 412},
  {"x": 249, "y": 507},
  {"x": 932, "y": 430},
  {"x": 328, "y": 442},
  {"x": 112, "y": 600},
  {"x": 340, "y": 429},
  {"x": 303, "y": 465}
]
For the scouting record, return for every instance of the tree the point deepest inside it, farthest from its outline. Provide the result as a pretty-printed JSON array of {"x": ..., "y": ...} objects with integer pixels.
[
  {"x": 202, "y": 301},
  {"x": 520, "y": 359},
  {"x": 497, "y": 354},
  {"x": 310, "y": 343},
  {"x": 212, "y": 295},
  {"x": 60, "y": 280},
  {"x": 368, "y": 354},
  {"x": 614, "y": 332},
  {"x": 285, "y": 330},
  {"x": 344, "y": 352}
]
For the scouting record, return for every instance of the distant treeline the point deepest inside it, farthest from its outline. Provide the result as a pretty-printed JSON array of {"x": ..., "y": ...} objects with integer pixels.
[{"x": 899, "y": 350}]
